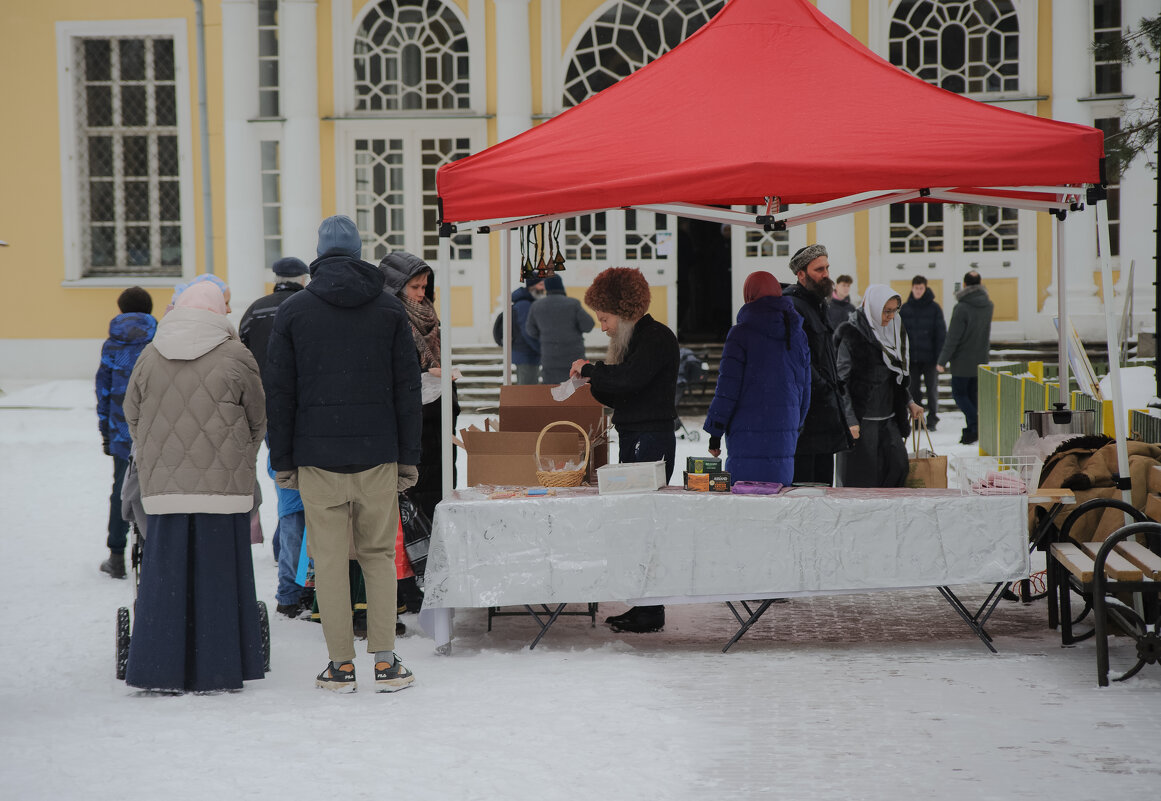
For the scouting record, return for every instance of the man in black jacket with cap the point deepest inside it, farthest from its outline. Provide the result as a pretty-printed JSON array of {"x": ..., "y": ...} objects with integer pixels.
[
  {"x": 258, "y": 321},
  {"x": 343, "y": 410}
]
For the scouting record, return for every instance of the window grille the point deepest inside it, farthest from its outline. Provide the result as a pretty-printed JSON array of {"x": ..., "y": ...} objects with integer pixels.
[
  {"x": 1106, "y": 24},
  {"x": 434, "y": 153},
  {"x": 268, "y": 58},
  {"x": 644, "y": 233},
  {"x": 1110, "y": 126},
  {"x": 761, "y": 244},
  {"x": 990, "y": 229},
  {"x": 271, "y": 201},
  {"x": 411, "y": 54},
  {"x": 916, "y": 228},
  {"x": 128, "y": 160},
  {"x": 379, "y": 201},
  {"x": 964, "y": 46},
  {"x": 586, "y": 238},
  {"x": 629, "y": 35}
]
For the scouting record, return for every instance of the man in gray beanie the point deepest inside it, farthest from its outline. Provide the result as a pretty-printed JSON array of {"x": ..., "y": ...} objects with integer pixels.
[
  {"x": 344, "y": 424},
  {"x": 825, "y": 432}
]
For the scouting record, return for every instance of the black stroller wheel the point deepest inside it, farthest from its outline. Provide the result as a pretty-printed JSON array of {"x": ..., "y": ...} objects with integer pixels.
[
  {"x": 264, "y": 630},
  {"x": 122, "y": 642}
]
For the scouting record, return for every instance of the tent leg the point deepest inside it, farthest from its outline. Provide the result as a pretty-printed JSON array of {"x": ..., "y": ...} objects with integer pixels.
[
  {"x": 445, "y": 360},
  {"x": 1120, "y": 420}
]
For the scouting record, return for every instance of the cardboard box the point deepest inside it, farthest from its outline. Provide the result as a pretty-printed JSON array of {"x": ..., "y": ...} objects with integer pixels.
[
  {"x": 719, "y": 481},
  {"x": 506, "y": 457},
  {"x": 703, "y": 464},
  {"x": 1153, "y": 507},
  {"x": 696, "y": 482}
]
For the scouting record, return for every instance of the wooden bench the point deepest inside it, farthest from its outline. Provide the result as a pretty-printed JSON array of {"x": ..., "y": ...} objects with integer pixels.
[{"x": 1097, "y": 571}]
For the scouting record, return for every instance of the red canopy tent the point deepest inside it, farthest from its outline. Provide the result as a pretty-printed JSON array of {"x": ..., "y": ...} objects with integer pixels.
[
  {"x": 770, "y": 103},
  {"x": 767, "y": 99}
]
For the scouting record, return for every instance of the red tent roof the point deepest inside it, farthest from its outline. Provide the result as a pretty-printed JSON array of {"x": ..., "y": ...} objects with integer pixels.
[{"x": 768, "y": 98}]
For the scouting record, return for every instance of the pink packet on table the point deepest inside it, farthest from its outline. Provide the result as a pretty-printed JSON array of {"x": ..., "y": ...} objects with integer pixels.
[{"x": 756, "y": 488}]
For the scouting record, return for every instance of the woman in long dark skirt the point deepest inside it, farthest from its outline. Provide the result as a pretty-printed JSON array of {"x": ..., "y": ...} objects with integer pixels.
[{"x": 196, "y": 411}]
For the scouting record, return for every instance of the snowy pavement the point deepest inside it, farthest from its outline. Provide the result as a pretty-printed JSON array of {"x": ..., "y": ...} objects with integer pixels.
[{"x": 881, "y": 696}]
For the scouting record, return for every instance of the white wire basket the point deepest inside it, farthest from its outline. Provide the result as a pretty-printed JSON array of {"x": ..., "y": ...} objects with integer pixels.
[{"x": 997, "y": 475}]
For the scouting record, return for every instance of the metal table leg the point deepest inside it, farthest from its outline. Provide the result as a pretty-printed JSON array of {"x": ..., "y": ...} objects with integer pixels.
[
  {"x": 977, "y": 619},
  {"x": 752, "y": 617}
]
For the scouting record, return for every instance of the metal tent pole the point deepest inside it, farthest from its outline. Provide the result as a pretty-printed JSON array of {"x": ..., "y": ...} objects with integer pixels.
[
  {"x": 1063, "y": 324},
  {"x": 445, "y": 397},
  {"x": 506, "y": 291}
]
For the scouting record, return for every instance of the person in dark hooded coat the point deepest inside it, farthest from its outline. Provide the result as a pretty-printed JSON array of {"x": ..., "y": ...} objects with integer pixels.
[
  {"x": 763, "y": 389},
  {"x": 926, "y": 331},
  {"x": 872, "y": 363}
]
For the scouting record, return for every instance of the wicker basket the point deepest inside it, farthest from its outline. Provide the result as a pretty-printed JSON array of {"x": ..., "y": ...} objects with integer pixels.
[{"x": 562, "y": 478}]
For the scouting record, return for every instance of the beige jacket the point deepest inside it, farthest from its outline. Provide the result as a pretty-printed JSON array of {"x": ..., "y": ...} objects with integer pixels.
[{"x": 197, "y": 414}]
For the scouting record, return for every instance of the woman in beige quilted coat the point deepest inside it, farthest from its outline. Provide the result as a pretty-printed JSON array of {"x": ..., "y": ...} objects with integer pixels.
[{"x": 197, "y": 413}]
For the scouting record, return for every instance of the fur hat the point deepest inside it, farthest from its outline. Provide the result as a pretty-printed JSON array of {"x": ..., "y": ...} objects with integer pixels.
[
  {"x": 802, "y": 259},
  {"x": 338, "y": 235},
  {"x": 622, "y": 291}
]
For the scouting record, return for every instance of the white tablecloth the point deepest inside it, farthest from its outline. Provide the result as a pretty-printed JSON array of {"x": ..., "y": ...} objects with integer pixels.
[{"x": 674, "y": 546}]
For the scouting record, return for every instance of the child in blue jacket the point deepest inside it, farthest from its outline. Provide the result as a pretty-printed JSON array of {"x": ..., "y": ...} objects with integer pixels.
[{"x": 129, "y": 333}]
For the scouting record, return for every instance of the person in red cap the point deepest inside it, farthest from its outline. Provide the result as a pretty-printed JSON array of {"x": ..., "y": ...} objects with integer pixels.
[{"x": 763, "y": 389}]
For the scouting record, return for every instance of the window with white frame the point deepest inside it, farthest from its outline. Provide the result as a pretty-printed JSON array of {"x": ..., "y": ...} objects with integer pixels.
[
  {"x": 411, "y": 54},
  {"x": 271, "y": 201},
  {"x": 629, "y": 35},
  {"x": 964, "y": 46},
  {"x": 766, "y": 244},
  {"x": 990, "y": 229},
  {"x": 916, "y": 228},
  {"x": 1106, "y": 25},
  {"x": 127, "y": 143},
  {"x": 1111, "y": 126},
  {"x": 268, "y": 58}
]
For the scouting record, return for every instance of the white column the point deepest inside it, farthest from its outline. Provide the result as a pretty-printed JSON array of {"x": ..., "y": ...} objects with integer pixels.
[
  {"x": 838, "y": 10},
  {"x": 243, "y": 190},
  {"x": 1071, "y": 80},
  {"x": 513, "y": 69},
  {"x": 298, "y": 100}
]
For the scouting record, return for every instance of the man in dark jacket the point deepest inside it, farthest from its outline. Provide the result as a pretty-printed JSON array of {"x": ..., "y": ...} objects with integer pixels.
[
  {"x": 525, "y": 346},
  {"x": 926, "y": 331},
  {"x": 343, "y": 409},
  {"x": 559, "y": 323},
  {"x": 638, "y": 380},
  {"x": 258, "y": 321},
  {"x": 969, "y": 338},
  {"x": 825, "y": 432}
]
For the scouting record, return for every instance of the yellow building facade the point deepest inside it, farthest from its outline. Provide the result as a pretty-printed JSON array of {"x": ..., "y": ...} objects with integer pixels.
[{"x": 316, "y": 107}]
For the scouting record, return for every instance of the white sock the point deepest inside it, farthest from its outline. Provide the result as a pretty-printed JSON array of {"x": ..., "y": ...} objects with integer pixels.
[{"x": 385, "y": 656}]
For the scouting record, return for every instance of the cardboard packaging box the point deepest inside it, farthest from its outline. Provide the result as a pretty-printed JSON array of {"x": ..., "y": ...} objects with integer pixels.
[
  {"x": 702, "y": 464},
  {"x": 719, "y": 481},
  {"x": 696, "y": 482},
  {"x": 505, "y": 455}
]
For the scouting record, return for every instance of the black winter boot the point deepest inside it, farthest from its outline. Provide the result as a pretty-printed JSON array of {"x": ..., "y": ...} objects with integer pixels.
[
  {"x": 114, "y": 565},
  {"x": 639, "y": 620}
]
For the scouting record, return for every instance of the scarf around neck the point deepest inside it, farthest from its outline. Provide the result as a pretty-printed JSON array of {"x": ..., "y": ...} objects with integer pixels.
[
  {"x": 889, "y": 336},
  {"x": 424, "y": 330}
]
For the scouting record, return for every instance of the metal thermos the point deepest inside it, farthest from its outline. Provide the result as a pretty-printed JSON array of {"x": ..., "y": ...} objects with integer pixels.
[{"x": 1061, "y": 420}]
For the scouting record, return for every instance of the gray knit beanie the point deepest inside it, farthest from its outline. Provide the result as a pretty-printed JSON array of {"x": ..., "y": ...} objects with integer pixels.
[
  {"x": 338, "y": 235},
  {"x": 800, "y": 260}
]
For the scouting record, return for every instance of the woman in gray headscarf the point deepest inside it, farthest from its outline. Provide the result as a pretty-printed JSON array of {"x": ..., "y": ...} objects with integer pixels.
[{"x": 872, "y": 362}]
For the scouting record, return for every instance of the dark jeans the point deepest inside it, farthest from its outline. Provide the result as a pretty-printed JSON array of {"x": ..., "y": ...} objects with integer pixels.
[
  {"x": 931, "y": 381},
  {"x": 965, "y": 390},
  {"x": 118, "y": 528},
  {"x": 648, "y": 446},
  {"x": 814, "y": 468}
]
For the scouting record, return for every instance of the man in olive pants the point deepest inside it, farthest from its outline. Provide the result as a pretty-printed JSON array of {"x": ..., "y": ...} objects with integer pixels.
[{"x": 343, "y": 401}]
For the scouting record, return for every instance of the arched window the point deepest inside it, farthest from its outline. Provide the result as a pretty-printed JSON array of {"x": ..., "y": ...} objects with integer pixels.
[
  {"x": 626, "y": 37},
  {"x": 964, "y": 46},
  {"x": 411, "y": 54}
]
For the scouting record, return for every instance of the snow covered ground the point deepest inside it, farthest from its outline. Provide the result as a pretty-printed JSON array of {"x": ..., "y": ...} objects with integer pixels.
[{"x": 884, "y": 696}]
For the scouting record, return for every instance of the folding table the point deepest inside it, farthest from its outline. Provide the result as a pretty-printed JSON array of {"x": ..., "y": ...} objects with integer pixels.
[{"x": 673, "y": 546}]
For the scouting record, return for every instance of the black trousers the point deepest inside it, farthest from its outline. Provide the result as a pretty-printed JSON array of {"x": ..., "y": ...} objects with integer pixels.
[
  {"x": 879, "y": 458},
  {"x": 930, "y": 376},
  {"x": 814, "y": 468}
]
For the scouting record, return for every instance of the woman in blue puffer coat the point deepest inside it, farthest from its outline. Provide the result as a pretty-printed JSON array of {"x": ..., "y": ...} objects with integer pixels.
[{"x": 763, "y": 389}]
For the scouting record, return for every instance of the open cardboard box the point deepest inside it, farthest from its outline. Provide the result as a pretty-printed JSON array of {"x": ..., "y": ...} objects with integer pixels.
[{"x": 507, "y": 456}]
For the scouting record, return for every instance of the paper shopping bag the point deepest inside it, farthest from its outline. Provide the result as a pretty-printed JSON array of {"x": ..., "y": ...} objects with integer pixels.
[{"x": 924, "y": 468}]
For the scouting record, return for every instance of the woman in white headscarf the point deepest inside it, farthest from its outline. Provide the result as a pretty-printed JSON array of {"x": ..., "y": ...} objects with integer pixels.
[{"x": 872, "y": 361}]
